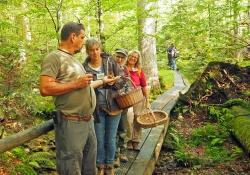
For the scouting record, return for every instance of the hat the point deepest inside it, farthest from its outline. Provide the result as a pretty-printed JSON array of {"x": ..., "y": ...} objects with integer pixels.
[{"x": 122, "y": 51}]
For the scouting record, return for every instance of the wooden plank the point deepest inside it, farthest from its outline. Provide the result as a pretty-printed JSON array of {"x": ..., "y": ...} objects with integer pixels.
[
  {"x": 26, "y": 135},
  {"x": 146, "y": 153}
]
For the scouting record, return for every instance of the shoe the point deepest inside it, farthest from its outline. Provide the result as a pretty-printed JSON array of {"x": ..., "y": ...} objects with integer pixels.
[
  {"x": 123, "y": 158},
  {"x": 100, "y": 170},
  {"x": 136, "y": 146},
  {"x": 117, "y": 162},
  {"x": 109, "y": 170},
  {"x": 130, "y": 145}
]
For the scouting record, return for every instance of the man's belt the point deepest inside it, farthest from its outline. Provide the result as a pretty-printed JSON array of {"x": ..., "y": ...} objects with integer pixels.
[{"x": 77, "y": 117}]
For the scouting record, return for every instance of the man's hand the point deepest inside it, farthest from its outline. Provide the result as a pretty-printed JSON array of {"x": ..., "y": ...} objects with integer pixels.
[
  {"x": 49, "y": 86},
  {"x": 84, "y": 81}
]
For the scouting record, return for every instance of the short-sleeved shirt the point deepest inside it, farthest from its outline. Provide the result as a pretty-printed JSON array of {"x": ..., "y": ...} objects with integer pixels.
[
  {"x": 65, "y": 68},
  {"x": 138, "y": 78}
]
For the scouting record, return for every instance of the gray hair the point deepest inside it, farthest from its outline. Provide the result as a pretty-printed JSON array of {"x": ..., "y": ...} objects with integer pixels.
[{"x": 90, "y": 42}]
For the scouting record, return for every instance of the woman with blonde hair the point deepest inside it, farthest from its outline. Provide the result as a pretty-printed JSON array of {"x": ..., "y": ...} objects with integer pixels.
[{"x": 137, "y": 75}]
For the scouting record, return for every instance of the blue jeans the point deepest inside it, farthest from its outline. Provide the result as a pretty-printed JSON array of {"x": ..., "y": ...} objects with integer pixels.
[
  {"x": 173, "y": 63},
  {"x": 106, "y": 131},
  {"x": 121, "y": 133}
]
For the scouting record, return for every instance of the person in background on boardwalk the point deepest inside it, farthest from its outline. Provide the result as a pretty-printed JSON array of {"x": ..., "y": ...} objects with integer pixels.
[
  {"x": 63, "y": 77},
  {"x": 120, "y": 57},
  {"x": 107, "y": 111},
  {"x": 172, "y": 56},
  {"x": 134, "y": 71}
]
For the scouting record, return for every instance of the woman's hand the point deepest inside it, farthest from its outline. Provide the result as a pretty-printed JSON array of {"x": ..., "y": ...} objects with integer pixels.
[{"x": 110, "y": 81}]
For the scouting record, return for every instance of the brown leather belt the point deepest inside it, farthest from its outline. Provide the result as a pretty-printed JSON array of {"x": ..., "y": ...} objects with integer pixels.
[{"x": 77, "y": 117}]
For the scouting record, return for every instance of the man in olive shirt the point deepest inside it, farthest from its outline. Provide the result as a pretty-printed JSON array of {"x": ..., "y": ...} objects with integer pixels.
[{"x": 64, "y": 78}]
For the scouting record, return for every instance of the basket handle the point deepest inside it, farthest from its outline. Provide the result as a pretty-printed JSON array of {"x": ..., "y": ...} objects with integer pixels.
[
  {"x": 151, "y": 112},
  {"x": 127, "y": 78}
]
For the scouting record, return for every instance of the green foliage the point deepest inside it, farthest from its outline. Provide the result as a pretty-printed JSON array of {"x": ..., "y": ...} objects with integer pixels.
[
  {"x": 203, "y": 32},
  {"x": 247, "y": 93},
  {"x": 19, "y": 153},
  {"x": 25, "y": 170},
  {"x": 190, "y": 71},
  {"x": 166, "y": 82},
  {"x": 237, "y": 152},
  {"x": 35, "y": 165},
  {"x": 221, "y": 115},
  {"x": 3, "y": 157},
  {"x": 212, "y": 136},
  {"x": 214, "y": 113},
  {"x": 180, "y": 145},
  {"x": 241, "y": 126},
  {"x": 43, "y": 159},
  {"x": 237, "y": 102},
  {"x": 154, "y": 93},
  {"x": 240, "y": 111},
  {"x": 217, "y": 154},
  {"x": 209, "y": 134},
  {"x": 173, "y": 138},
  {"x": 166, "y": 78},
  {"x": 187, "y": 159},
  {"x": 177, "y": 140},
  {"x": 34, "y": 161},
  {"x": 227, "y": 111}
]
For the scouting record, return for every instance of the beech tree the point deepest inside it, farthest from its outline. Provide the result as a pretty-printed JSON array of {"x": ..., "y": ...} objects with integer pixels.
[{"x": 146, "y": 10}]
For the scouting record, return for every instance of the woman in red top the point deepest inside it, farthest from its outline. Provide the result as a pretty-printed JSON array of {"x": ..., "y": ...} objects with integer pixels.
[{"x": 137, "y": 75}]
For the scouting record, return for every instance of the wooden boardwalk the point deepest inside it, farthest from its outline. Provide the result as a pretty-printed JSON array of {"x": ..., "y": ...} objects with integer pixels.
[{"x": 143, "y": 162}]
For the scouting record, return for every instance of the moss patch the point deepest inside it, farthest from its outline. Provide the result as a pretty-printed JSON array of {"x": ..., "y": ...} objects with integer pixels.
[{"x": 241, "y": 128}]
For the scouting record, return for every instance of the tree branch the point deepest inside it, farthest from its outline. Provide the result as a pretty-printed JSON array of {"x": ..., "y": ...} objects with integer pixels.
[
  {"x": 57, "y": 15},
  {"x": 52, "y": 18}
]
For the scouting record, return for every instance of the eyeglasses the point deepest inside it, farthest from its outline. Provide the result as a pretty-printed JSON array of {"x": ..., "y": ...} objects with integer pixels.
[{"x": 117, "y": 56}]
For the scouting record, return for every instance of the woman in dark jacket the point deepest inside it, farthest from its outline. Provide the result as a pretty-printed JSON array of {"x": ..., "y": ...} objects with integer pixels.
[{"x": 107, "y": 112}]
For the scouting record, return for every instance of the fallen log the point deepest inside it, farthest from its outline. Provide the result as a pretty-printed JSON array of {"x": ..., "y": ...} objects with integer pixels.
[
  {"x": 240, "y": 128},
  {"x": 19, "y": 138}
]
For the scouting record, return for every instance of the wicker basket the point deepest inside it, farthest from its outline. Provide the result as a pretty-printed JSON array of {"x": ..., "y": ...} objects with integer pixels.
[
  {"x": 152, "y": 119},
  {"x": 130, "y": 98}
]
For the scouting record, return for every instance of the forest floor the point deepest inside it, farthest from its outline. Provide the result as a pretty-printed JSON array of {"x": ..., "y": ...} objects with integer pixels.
[{"x": 198, "y": 140}]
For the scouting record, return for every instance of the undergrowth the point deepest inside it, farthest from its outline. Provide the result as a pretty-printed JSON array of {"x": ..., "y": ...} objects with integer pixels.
[{"x": 206, "y": 145}]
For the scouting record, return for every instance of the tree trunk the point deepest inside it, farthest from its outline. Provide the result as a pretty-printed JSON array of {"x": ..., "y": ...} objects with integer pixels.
[
  {"x": 248, "y": 14},
  {"x": 26, "y": 24},
  {"x": 100, "y": 24},
  {"x": 147, "y": 41},
  {"x": 235, "y": 20},
  {"x": 26, "y": 34}
]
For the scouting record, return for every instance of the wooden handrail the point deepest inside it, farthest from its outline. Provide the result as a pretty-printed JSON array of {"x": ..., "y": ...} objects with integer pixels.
[{"x": 19, "y": 138}]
